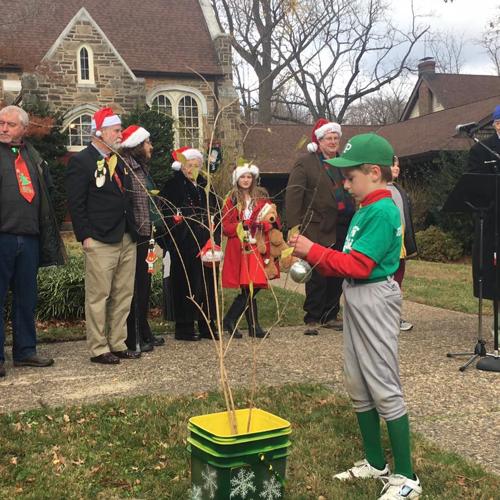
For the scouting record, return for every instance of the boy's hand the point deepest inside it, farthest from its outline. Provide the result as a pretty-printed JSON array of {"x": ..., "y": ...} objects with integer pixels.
[{"x": 301, "y": 245}]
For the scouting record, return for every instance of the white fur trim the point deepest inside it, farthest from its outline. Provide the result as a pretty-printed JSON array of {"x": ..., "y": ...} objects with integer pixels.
[
  {"x": 109, "y": 121},
  {"x": 246, "y": 168},
  {"x": 176, "y": 165},
  {"x": 140, "y": 135},
  {"x": 192, "y": 154},
  {"x": 312, "y": 147},
  {"x": 328, "y": 128}
]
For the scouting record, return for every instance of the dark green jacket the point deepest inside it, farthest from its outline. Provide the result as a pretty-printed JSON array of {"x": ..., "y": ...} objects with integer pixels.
[{"x": 52, "y": 251}]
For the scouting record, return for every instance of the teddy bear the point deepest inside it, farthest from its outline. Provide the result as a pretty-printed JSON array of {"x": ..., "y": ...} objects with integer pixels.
[{"x": 268, "y": 215}]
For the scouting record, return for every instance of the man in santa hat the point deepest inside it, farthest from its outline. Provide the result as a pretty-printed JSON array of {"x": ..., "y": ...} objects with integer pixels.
[
  {"x": 99, "y": 186},
  {"x": 317, "y": 202}
]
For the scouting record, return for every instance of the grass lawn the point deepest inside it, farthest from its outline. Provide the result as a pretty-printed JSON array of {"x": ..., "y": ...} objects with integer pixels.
[
  {"x": 442, "y": 285},
  {"x": 136, "y": 448}
]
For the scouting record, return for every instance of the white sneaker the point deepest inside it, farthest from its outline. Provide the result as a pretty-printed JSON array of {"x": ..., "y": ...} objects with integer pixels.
[
  {"x": 363, "y": 470},
  {"x": 400, "y": 488},
  {"x": 404, "y": 326}
]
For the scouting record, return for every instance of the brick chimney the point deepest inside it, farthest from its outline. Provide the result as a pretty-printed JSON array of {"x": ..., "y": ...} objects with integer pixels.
[{"x": 426, "y": 65}]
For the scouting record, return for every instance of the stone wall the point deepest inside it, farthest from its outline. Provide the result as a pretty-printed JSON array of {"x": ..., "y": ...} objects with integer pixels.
[{"x": 56, "y": 79}]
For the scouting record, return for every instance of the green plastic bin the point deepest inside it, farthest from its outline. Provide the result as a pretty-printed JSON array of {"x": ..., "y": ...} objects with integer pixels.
[{"x": 246, "y": 465}]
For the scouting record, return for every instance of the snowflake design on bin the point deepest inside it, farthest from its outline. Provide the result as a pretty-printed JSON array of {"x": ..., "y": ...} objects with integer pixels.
[
  {"x": 209, "y": 476},
  {"x": 242, "y": 484},
  {"x": 196, "y": 493},
  {"x": 272, "y": 489}
]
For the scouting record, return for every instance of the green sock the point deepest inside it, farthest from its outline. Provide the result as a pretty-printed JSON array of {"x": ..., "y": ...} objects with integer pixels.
[
  {"x": 399, "y": 435},
  {"x": 369, "y": 424}
]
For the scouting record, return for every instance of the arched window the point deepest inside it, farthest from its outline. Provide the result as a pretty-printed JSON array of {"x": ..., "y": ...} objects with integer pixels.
[
  {"x": 162, "y": 104},
  {"x": 79, "y": 132},
  {"x": 186, "y": 106},
  {"x": 85, "y": 65},
  {"x": 189, "y": 122}
]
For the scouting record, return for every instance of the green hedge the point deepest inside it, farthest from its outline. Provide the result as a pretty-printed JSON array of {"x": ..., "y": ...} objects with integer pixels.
[
  {"x": 61, "y": 291},
  {"x": 437, "y": 246}
]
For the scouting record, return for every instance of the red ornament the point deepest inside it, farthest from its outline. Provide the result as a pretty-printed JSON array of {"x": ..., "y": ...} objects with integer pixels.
[{"x": 178, "y": 218}]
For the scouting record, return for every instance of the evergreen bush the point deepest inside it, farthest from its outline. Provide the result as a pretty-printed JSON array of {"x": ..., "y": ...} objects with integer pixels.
[
  {"x": 436, "y": 245},
  {"x": 61, "y": 291},
  {"x": 46, "y": 135},
  {"x": 160, "y": 126}
]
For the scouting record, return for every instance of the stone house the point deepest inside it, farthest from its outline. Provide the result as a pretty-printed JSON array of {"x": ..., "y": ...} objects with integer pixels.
[{"x": 79, "y": 55}]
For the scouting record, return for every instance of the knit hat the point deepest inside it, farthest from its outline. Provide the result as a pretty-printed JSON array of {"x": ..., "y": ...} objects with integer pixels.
[
  {"x": 496, "y": 113},
  {"x": 246, "y": 168},
  {"x": 104, "y": 117},
  {"x": 321, "y": 128},
  {"x": 188, "y": 153},
  {"x": 134, "y": 135},
  {"x": 365, "y": 148}
]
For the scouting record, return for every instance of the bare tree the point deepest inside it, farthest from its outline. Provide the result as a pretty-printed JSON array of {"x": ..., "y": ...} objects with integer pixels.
[
  {"x": 490, "y": 40},
  {"x": 382, "y": 108},
  {"x": 447, "y": 50},
  {"x": 259, "y": 30},
  {"x": 355, "y": 55}
]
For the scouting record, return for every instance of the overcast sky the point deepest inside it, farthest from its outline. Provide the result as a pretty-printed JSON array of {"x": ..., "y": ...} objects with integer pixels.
[{"x": 469, "y": 17}]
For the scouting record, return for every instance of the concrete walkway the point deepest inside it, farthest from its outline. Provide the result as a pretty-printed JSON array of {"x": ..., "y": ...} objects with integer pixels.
[{"x": 458, "y": 411}]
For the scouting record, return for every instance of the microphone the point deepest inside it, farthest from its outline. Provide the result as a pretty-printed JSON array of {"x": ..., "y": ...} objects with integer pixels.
[{"x": 465, "y": 128}]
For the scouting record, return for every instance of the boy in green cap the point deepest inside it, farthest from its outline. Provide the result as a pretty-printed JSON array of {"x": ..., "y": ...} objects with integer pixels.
[{"x": 372, "y": 311}]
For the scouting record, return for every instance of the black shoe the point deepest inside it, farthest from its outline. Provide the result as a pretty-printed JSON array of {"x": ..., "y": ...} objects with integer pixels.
[
  {"x": 204, "y": 330},
  {"x": 35, "y": 360},
  {"x": 147, "y": 346},
  {"x": 251, "y": 314},
  {"x": 106, "y": 359},
  {"x": 230, "y": 327},
  {"x": 158, "y": 341},
  {"x": 126, "y": 354},
  {"x": 190, "y": 337},
  {"x": 2, "y": 370}
]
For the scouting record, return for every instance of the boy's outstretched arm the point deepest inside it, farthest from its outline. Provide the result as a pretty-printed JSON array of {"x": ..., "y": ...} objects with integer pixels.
[{"x": 332, "y": 262}]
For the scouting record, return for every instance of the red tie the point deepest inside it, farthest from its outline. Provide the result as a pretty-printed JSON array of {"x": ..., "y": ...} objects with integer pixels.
[{"x": 23, "y": 177}]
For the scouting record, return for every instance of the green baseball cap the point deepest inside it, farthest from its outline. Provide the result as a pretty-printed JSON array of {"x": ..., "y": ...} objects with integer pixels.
[{"x": 365, "y": 148}]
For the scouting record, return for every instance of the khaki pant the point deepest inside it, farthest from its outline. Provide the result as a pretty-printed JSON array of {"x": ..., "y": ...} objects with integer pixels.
[{"x": 109, "y": 287}]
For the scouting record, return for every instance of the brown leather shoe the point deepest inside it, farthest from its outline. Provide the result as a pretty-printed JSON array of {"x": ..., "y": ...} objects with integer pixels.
[
  {"x": 2, "y": 370},
  {"x": 37, "y": 361},
  {"x": 334, "y": 324},
  {"x": 106, "y": 359},
  {"x": 311, "y": 329},
  {"x": 126, "y": 354}
]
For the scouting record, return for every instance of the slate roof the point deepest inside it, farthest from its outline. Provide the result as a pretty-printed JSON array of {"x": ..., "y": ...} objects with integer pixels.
[
  {"x": 152, "y": 36},
  {"x": 274, "y": 148}
]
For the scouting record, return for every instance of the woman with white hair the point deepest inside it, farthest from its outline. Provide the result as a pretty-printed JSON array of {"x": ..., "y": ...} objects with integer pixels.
[{"x": 187, "y": 219}]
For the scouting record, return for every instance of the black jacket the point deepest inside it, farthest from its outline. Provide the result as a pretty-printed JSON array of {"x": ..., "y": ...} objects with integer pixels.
[
  {"x": 52, "y": 251},
  {"x": 102, "y": 213}
]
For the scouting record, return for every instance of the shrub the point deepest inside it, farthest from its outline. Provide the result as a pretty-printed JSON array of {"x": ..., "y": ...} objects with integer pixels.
[
  {"x": 61, "y": 291},
  {"x": 437, "y": 246}
]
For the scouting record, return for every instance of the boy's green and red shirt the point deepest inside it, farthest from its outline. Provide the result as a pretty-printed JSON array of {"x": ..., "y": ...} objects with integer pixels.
[{"x": 373, "y": 243}]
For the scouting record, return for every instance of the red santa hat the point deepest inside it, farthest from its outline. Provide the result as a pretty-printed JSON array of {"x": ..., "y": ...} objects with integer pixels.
[
  {"x": 246, "y": 168},
  {"x": 210, "y": 253},
  {"x": 104, "y": 117},
  {"x": 134, "y": 135},
  {"x": 321, "y": 128},
  {"x": 188, "y": 152}
]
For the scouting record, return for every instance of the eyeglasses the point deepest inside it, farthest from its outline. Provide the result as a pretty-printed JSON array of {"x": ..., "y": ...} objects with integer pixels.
[{"x": 9, "y": 124}]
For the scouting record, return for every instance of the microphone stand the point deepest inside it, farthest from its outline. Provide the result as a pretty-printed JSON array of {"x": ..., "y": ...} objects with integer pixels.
[{"x": 491, "y": 362}]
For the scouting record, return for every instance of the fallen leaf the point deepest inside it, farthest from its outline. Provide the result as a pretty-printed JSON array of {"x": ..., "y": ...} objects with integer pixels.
[
  {"x": 66, "y": 418},
  {"x": 13, "y": 460}
]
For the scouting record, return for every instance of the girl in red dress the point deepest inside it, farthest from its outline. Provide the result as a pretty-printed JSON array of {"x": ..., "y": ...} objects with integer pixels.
[{"x": 243, "y": 264}]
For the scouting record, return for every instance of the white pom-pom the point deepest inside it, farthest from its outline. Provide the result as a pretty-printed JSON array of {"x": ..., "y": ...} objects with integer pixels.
[
  {"x": 176, "y": 165},
  {"x": 312, "y": 147}
]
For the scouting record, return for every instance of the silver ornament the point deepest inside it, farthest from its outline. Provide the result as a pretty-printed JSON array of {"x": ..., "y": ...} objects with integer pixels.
[{"x": 301, "y": 271}]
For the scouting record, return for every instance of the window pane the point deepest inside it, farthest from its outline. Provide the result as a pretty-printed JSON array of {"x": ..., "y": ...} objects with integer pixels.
[
  {"x": 162, "y": 104},
  {"x": 84, "y": 64},
  {"x": 189, "y": 129},
  {"x": 80, "y": 130}
]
